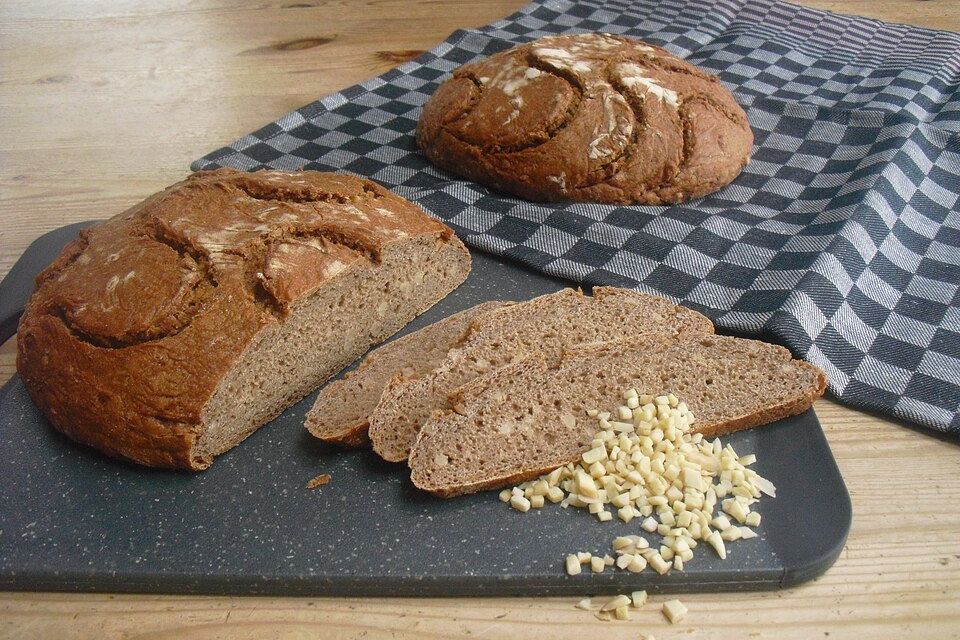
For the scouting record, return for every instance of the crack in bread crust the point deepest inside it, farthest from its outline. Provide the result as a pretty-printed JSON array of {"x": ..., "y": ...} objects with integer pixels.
[
  {"x": 546, "y": 136},
  {"x": 180, "y": 319},
  {"x": 686, "y": 128},
  {"x": 66, "y": 258},
  {"x": 607, "y": 171},
  {"x": 676, "y": 66},
  {"x": 197, "y": 283},
  {"x": 300, "y": 194}
]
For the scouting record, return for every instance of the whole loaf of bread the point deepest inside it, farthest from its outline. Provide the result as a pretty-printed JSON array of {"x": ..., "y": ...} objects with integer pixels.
[
  {"x": 592, "y": 117},
  {"x": 174, "y": 330}
]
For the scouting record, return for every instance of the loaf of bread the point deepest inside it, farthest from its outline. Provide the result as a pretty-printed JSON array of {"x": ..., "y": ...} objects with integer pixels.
[
  {"x": 590, "y": 117},
  {"x": 171, "y": 332},
  {"x": 341, "y": 412},
  {"x": 525, "y": 419},
  {"x": 545, "y": 325}
]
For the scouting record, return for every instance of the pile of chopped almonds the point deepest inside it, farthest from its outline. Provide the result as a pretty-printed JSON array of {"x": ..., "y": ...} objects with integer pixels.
[{"x": 646, "y": 461}]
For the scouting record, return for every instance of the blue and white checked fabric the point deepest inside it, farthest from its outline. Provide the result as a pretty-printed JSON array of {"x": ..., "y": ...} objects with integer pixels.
[{"x": 841, "y": 239}]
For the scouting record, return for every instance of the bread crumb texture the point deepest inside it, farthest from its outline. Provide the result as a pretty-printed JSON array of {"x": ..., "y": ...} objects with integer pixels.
[{"x": 341, "y": 412}]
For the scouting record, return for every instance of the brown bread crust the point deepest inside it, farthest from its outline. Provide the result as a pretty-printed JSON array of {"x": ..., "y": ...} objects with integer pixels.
[
  {"x": 589, "y": 117},
  {"x": 132, "y": 328}
]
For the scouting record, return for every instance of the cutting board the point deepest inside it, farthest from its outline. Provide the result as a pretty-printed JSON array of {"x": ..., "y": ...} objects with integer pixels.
[{"x": 74, "y": 520}]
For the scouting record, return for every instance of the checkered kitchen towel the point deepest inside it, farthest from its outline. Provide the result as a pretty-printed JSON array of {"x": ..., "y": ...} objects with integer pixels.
[{"x": 841, "y": 239}]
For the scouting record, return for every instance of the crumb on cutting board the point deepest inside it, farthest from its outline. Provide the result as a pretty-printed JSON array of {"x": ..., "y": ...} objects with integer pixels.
[{"x": 319, "y": 481}]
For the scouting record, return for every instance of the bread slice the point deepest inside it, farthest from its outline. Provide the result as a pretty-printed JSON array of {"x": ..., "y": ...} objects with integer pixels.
[
  {"x": 341, "y": 412},
  {"x": 547, "y": 325},
  {"x": 528, "y": 418}
]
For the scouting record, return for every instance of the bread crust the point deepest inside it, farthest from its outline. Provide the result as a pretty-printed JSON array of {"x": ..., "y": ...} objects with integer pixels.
[
  {"x": 588, "y": 117},
  {"x": 131, "y": 329},
  {"x": 350, "y": 436}
]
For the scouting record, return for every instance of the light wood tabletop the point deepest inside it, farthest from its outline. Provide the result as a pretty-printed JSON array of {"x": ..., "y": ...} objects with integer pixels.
[{"x": 104, "y": 103}]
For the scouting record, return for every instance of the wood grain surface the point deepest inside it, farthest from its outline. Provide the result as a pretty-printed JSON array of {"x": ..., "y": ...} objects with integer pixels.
[{"x": 104, "y": 103}]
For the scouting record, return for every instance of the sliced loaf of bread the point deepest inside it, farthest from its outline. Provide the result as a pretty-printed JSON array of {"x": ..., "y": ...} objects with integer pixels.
[
  {"x": 171, "y": 332},
  {"x": 341, "y": 412},
  {"x": 528, "y": 418},
  {"x": 546, "y": 325}
]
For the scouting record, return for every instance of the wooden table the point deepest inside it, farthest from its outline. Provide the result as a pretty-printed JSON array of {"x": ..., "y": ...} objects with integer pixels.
[{"x": 102, "y": 105}]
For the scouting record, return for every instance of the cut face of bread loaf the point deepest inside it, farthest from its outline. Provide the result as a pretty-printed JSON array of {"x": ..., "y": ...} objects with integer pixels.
[
  {"x": 169, "y": 333},
  {"x": 341, "y": 412},
  {"x": 528, "y": 418},
  {"x": 546, "y": 325},
  {"x": 592, "y": 117}
]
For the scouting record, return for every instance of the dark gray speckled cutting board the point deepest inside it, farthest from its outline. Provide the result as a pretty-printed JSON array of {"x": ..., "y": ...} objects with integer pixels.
[{"x": 71, "y": 519}]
